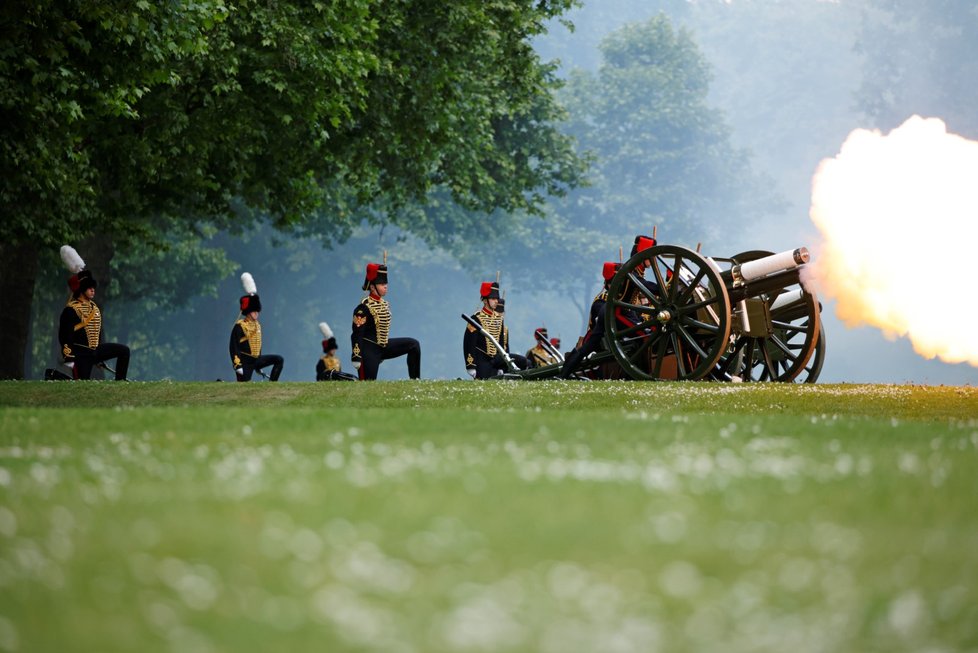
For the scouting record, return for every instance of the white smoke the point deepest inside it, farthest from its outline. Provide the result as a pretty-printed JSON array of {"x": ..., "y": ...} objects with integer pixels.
[{"x": 898, "y": 214}]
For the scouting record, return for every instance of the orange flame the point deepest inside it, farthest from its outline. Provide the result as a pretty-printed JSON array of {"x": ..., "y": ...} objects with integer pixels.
[{"x": 898, "y": 215}]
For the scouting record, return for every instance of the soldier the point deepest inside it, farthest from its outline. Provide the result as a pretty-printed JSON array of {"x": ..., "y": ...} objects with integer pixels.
[
  {"x": 482, "y": 359},
  {"x": 593, "y": 339},
  {"x": 538, "y": 355},
  {"x": 370, "y": 338},
  {"x": 627, "y": 317},
  {"x": 328, "y": 368},
  {"x": 245, "y": 344},
  {"x": 80, "y": 326}
]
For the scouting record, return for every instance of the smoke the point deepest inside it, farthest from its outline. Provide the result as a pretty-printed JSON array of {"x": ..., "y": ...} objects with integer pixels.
[{"x": 898, "y": 214}]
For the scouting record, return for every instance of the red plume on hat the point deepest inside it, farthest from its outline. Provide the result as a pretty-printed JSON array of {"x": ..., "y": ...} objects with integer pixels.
[
  {"x": 609, "y": 270},
  {"x": 376, "y": 273},
  {"x": 250, "y": 302},
  {"x": 642, "y": 243},
  {"x": 540, "y": 334},
  {"x": 489, "y": 290}
]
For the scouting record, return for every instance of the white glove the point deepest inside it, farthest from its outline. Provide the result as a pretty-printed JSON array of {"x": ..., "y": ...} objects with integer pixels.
[
  {"x": 471, "y": 371},
  {"x": 356, "y": 365},
  {"x": 239, "y": 371},
  {"x": 70, "y": 365}
]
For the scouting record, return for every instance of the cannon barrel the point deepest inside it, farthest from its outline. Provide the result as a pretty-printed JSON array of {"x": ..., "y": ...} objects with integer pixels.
[
  {"x": 764, "y": 284},
  {"x": 762, "y": 267}
]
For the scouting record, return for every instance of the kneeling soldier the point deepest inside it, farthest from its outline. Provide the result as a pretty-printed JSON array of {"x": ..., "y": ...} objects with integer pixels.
[
  {"x": 245, "y": 344},
  {"x": 482, "y": 359},
  {"x": 539, "y": 356},
  {"x": 329, "y": 368},
  {"x": 370, "y": 338},
  {"x": 80, "y": 326}
]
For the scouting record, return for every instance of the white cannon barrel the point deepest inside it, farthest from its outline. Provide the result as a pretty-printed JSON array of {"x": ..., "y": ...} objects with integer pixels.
[{"x": 762, "y": 267}]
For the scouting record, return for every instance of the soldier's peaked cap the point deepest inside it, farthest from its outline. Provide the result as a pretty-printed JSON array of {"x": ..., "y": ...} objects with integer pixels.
[{"x": 376, "y": 273}]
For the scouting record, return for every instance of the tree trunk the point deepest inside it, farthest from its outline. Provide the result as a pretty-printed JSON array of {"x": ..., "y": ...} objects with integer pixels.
[{"x": 18, "y": 272}]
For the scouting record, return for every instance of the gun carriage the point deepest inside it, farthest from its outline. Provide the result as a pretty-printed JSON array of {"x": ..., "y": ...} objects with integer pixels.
[{"x": 675, "y": 314}]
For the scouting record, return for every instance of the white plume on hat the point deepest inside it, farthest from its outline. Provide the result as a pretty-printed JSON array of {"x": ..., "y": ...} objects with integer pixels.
[
  {"x": 248, "y": 283},
  {"x": 72, "y": 260},
  {"x": 327, "y": 332}
]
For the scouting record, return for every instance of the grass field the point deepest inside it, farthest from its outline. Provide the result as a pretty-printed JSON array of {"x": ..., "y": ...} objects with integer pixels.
[{"x": 460, "y": 516}]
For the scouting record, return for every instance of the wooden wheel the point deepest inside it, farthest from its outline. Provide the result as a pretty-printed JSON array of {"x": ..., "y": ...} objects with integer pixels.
[
  {"x": 667, "y": 315},
  {"x": 781, "y": 337}
]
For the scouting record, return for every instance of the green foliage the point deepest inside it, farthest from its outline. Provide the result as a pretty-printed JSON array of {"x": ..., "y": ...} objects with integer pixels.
[
  {"x": 122, "y": 113},
  {"x": 499, "y": 516}
]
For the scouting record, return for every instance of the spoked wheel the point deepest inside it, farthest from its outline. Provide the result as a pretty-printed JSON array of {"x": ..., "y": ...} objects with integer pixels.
[
  {"x": 814, "y": 367},
  {"x": 667, "y": 315},
  {"x": 781, "y": 339}
]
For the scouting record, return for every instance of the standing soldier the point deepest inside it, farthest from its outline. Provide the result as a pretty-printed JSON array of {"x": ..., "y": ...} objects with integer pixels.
[
  {"x": 539, "y": 356},
  {"x": 80, "y": 326},
  {"x": 245, "y": 344},
  {"x": 328, "y": 368},
  {"x": 370, "y": 338}
]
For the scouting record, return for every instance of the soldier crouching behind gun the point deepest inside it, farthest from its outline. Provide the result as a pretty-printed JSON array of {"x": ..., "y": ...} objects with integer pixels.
[
  {"x": 370, "y": 337},
  {"x": 593, "y": 340},
  {"x": 328, "y": 368},
  {"x": 538, "y": 355},
  {"x": 80, "y": 326},
  {"x": 245, "y": 345}
]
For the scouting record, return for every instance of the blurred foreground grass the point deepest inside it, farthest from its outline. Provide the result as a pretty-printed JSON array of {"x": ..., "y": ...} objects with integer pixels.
[{"x": 462, "y": 516}]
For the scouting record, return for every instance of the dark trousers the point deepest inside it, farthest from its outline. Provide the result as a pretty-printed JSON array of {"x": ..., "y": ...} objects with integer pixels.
[
  {"x": 486, "y": 367},
  {"x": 372, "y": 355},
  {"x": 86, "y": 359},
  {"x": 592, "y": 342},
  {"x": 263, "y": 361}
]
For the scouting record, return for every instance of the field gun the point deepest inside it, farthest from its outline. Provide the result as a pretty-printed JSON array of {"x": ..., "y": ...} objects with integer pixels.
[{"x": 673, "y": 313}]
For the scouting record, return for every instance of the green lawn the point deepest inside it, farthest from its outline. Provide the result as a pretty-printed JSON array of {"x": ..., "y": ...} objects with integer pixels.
[{"x": 461, "y": 516}]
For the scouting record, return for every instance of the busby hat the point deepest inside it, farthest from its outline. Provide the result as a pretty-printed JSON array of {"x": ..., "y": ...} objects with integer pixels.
[
  {"x": 540, "y": 334},
  {"x": 376, "y": 273},
  {"x": 609, "y": 269},
  {"x": 555, "y": 342},
  {"x": 80, "y": 279},
  {"x": 329, "y": 341},
  {"x": 489, "y": 290},
  {"x": 250, "y": 301},
  {"x": 642, "y": 242}
]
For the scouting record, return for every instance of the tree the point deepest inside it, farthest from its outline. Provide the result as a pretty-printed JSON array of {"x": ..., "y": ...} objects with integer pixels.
[
  {"x": 228, "y": 113},
  {"x": 662, "y": 156}
]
